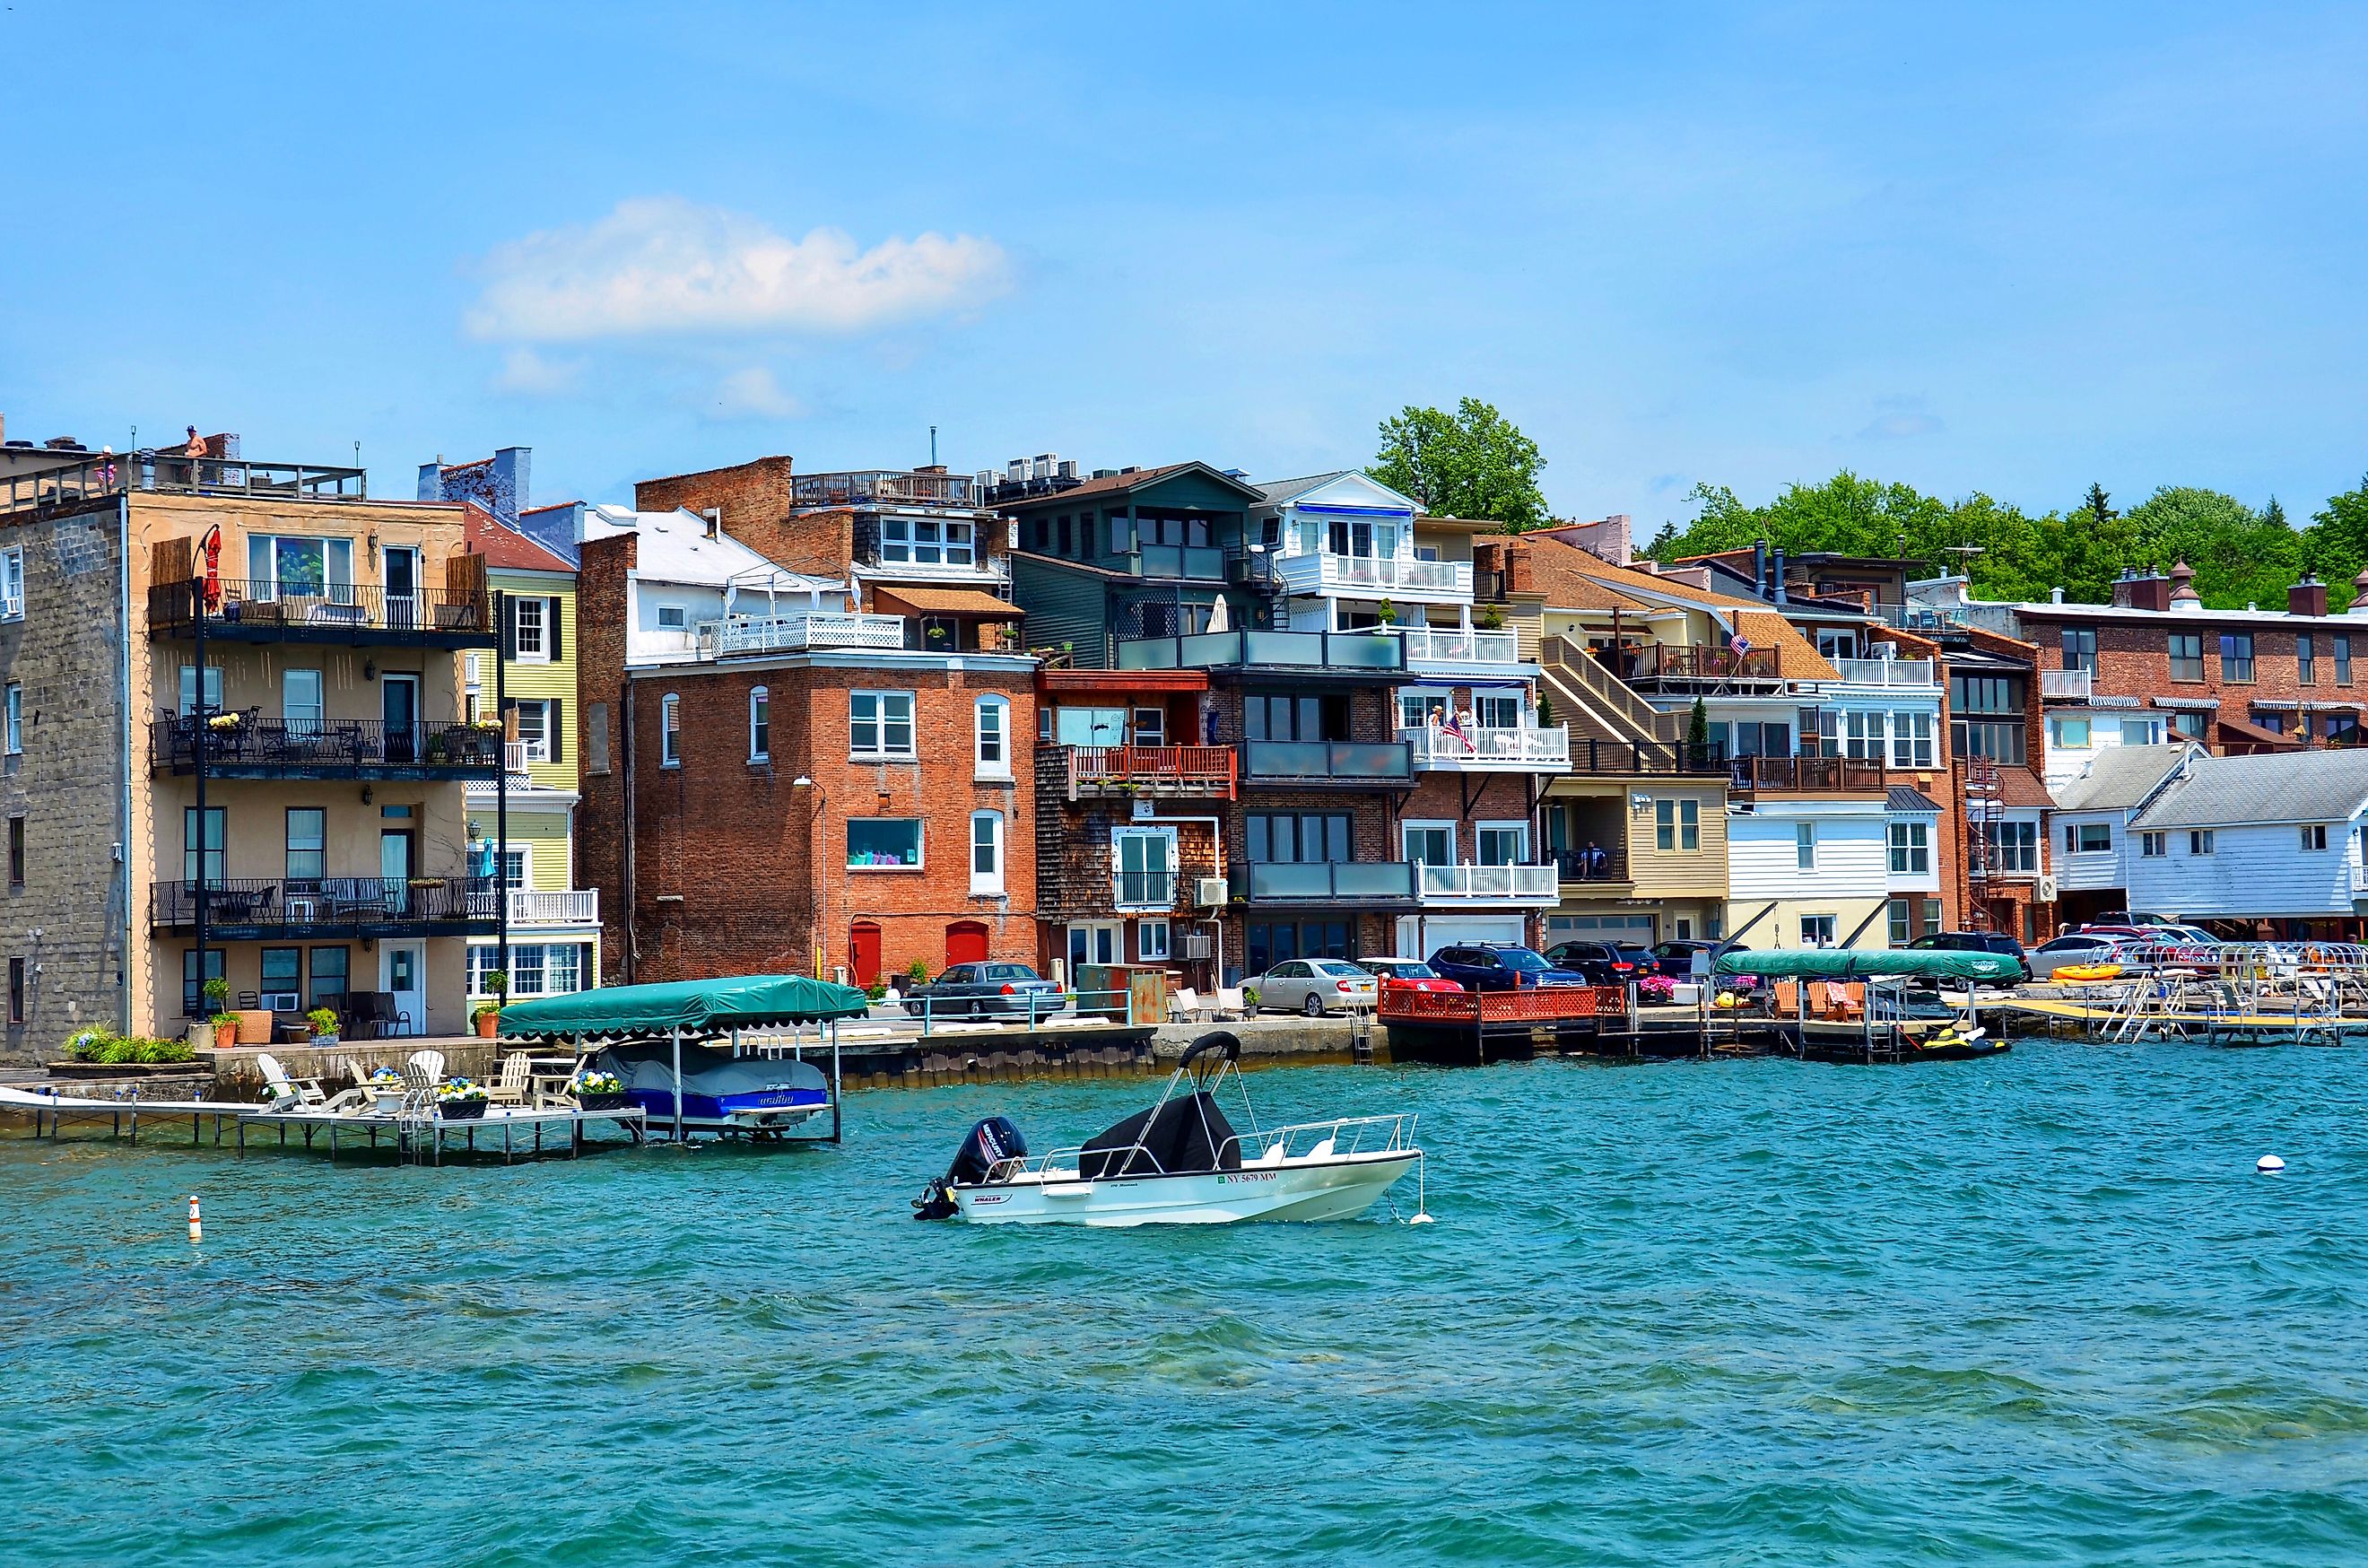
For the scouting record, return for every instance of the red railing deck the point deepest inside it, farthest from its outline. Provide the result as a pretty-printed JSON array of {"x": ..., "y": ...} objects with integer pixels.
[
  {"x": 1194, "y": 769},
  {"x": 1543, "y": 1004}
]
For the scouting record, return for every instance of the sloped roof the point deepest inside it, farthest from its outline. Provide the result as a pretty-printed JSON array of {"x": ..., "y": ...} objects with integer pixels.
[
  {"x": 973, "y": 602},
  {"x": 1565, "y": 587},
  {"x": 1908, "y": 798},
  {"x": 1762, "y": 627},
  {"x": 2228, "y": 791},
  {"x": 677, "y": 548},
  {"x": 1284, "y": 490},
  {"x": 2021, "y": 789},
  {"x": 2121, "y": 777},
  {"x": 505, "y": 548}
]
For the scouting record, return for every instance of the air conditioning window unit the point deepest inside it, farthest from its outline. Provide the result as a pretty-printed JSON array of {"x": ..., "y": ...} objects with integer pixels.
[
  {"x": 1208, "y": 891},
  {"x": 280, "y": 1001},
  {"x": 1196, "y": 946}
]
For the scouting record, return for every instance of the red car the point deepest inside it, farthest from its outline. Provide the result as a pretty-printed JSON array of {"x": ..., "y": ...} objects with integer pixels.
[{"x": 1408, "y": 974}]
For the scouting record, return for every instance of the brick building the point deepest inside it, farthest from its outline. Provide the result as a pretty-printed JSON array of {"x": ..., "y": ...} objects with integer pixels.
[{"x": 800, "y": 747}]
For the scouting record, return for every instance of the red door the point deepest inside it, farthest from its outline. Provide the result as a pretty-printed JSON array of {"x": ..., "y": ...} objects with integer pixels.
[
  {"x": 965, "y": 942},
  {"x": 863, "y": 952}
]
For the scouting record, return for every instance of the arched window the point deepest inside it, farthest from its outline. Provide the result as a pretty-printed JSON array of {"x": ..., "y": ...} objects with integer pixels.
[
  {"x": 992, "y": 737},
  {"x": 985, "y": 852},
  {"x": 760, "y": 725}
]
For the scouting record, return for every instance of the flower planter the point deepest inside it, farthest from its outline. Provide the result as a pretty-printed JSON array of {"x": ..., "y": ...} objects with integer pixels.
[
  {"x": 461, "y": 1110},
  {"x": 225, "y": 1036},
  {"x": 486, "y": 1024},
  {"x": 603, "y": 1102}
]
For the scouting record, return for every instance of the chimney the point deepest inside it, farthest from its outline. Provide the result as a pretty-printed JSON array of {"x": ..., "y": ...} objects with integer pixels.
[
  {"x": 2307, "y": 597},
  {"x": 1780, "y": 593},
  {"x": 2182, "y": 588},
  {"x": 1760, "y": 566},
  {"x": 2055, "y": 595},
  {"x": 2149, "y": 592}
]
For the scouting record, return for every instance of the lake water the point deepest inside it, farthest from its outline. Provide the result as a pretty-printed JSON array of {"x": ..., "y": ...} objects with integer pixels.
[{"x": 2032, "y": 1309}]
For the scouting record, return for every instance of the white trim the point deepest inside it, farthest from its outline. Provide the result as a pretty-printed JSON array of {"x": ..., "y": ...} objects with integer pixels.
[
  {"x": 670, "y": 729},
  {"x": 1167, "y": 944},
  {"x": 996, "y": 770},
  {"x": 760, "y": 694},
  {"x": 880, "y": 722},
  {"x": 987, "y": 884},
  {"x": 1409, "y": 825}
]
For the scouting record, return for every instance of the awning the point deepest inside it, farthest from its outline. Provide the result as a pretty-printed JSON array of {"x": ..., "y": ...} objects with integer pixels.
[
  {"x": 2256, "y": 734},
  {"x": 974, "y": 604},
  {"x": 698, "y": 1007},
  {"x": 1859, "y": 963}
]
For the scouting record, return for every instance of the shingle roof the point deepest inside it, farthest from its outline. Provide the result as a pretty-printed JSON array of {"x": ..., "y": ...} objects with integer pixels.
[
  {"x": 2119, "y": 778},
  {"x": 505, "y": 548},
  {"x": 2228, "y": 791},
  {"x": 1284, "y": 489},
  {"x": 2021, "y": 789}
]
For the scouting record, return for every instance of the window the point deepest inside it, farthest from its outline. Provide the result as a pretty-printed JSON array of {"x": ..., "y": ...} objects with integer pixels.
[
  {"x": 1271, "y": 942},
  {"x": 534, "y": 728},
  {"x": 329, "y": 974},
  {"x": 1504, "y": 843},
  {"x": 299, "y": 701},
  {"x": 308, "y": 843},
  {"x": 1911, "y": 739},
  {"x": 16, "y": 720},
  {"x": 1302, "y": 837},
  {"x": 1151, "y": 941},
  {"x": 189, "y": 688},
  {"x": 2011, "y": 847},
  {"x": 1996, "y": 740},
  {"x": 2187, "y": 655},
  {"x": 1864, "y": 737},
  {"x": 1432, "y": 843},
  {"x": 473, "y": 694},
  {"x": 1146, "y": 863},
  {"x": 12, "y": 583},
  {"x": 673, "y": 617},
  {"x": 214, "y": 831},
  {"x": 875, "y": 843},
  {"x": 1804, "y": 846},
  {"x": 1838, "y": 644},
  {"x": 1275, "y": 716},
  {"x": 2088, "y": 837},
  {"x": 880, "y": 723},
  {"x": 283, "y": 979},
  {"x": 1677, "y": 824},
  {"x": 16, "y": 852},
  {"x": 2237, "y": 655},
  {"x": 2342, "y": 641},
  {"x": 1151, "y": 726},
  {"x": 985, "y": 852},
  {"x": 527, "y": 641},
  {"x": 2068, "y": 728},
  {"x": 2141, "y": 731},
  {"x": 1903, "y": 921},
  {"x": 927, "y": 542},
  {"x": 279, "y": 567},
  {"x": 2203, "y": 841},
  {"x": 670, "y": 731},
  {"x": 2154, "y": 846},
  {"x": 1986, "y": 694},
  {"x": 1092, "y": 942},
  {"x": 2313, "y": 836},
  {"x": 1417, "y": 709},
  {"x": 760, "y": 725},
  {"x": 2306, "y": 660},
  {"x": 991, "y": 737},
  {"x": 1911, "y": 848},
  {"x": 193, "y": 996},
  {"x": 517, "y": 865},
  {"x": 1817, "y": 930},
  {"x": 1089, "y": 726},
  {"x": 1497, "y": 710},
  {"x": 2080, "y": 648},
  {"x": 527, "y": 974}
]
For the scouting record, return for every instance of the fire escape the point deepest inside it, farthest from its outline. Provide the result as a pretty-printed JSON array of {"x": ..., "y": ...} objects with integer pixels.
[{"x": 1984, "y": 809}]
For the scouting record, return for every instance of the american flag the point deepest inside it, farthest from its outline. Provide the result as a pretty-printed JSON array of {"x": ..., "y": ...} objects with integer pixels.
[
  {"x": 1455, "y": 726},
  {"x": 1738, "y": 644}
]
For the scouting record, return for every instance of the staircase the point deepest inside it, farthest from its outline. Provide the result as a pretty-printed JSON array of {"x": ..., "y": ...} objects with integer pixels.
[{"x": 1597, "y": 704}]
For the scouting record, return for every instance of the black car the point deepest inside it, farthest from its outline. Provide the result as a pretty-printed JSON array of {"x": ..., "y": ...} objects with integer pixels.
[
  {"x": 1675, "y": 960},
  {"x": 1974, "y": 942},
  {"x": 1603, "y": 964},
  {"x": 1500, "y": 966},
  {"x": 986, "y": 988}
]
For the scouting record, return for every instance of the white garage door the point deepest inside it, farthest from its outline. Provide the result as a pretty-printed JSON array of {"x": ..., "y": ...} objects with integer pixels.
[{"x": 1419, "y": 935}]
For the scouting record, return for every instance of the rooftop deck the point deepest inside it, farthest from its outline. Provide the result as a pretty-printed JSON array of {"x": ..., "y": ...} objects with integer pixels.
[{"x": 98, "y": 476}]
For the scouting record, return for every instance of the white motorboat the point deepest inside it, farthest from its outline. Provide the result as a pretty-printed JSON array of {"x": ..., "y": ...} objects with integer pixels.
[{"x": 1180, "y": 1162}]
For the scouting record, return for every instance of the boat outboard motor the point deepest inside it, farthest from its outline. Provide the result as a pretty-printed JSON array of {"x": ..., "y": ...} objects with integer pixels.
[{"x": 989, "y": 1143}]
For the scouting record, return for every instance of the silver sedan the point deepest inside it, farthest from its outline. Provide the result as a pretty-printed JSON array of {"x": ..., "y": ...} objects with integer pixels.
[{"x": 1315, "y": 986}]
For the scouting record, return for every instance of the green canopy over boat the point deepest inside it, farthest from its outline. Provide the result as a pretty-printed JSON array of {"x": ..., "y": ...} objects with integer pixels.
[
  {"x": 1866, "y": 963},
  {"x": 696, "y": 1007}
]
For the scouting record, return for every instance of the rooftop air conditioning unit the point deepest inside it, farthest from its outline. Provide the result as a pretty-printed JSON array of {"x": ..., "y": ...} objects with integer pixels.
[
  {"x": 2043, "y": 890},
  {"x": 1886, "y": 650},
  {"x": 1196, "y": 946},
  {"x": 1016, "y": 470},
  {"x": 1209, "y": 891},
  {"x": 1066, "y": 468},
  {"x": 988, "y": 479},
  {"x": 1044, "y": 464}
]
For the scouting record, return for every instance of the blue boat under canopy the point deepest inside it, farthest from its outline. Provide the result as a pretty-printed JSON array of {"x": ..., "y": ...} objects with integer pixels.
[
  {"x": 1872, "y": 963},
  {"x": 697, "y": 1008}
]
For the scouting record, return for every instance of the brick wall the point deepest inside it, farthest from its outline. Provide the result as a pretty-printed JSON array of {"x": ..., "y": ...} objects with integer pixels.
[
  {"x": 756, "y": 489},
  {"x": 600, "y": 708},
  {"x": 2134, "y": 658}
]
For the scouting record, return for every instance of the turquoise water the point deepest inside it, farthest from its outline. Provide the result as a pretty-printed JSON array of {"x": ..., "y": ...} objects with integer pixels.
[{"x": 2036, "y": 1309}]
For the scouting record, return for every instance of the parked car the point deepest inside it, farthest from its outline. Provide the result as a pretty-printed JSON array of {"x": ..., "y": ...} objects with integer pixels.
[
  {"x": 1500, "y": 966},
  {"x": 1315, "y": 986},
  {"x": 2083, "y": 947},
  {"x": 1603, "y": 964},
  {"x": 1676, "y": 960},
  {"x": 1408, "y": 974},
  {"x": 1974, "y": 942},
  {"x": 984, "y": 988}
]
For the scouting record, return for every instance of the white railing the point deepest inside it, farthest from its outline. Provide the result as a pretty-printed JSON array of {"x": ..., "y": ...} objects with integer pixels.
[
  {"x": 514, "y": 757},
  {"x": 1525, "y": 885},
  {"x": 2075, "y": 685},
  {"x": 2360, "y": 881},
  {"x": 1327, "y": 573},
  {"x": 573, "y": 906},
  {"x": 793, "y": 633},
  {"x": 1461, "y": 645},
  {"x": 1436, "y": 747},
  {"x": 1885, "y": 672}
]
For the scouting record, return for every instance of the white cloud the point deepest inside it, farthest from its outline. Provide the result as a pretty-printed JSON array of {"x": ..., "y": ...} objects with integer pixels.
[
  {"x": 662, "y": 265},
  {"x": 524, "y": 372},
  {"x": 752, "y": 393}
]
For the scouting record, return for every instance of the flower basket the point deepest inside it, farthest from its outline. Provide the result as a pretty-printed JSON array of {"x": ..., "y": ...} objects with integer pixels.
[
  {"x": 461, "y": 1110},
  {"x": 603, "y": 1102},
  {"x": 595, "y": 1090}
]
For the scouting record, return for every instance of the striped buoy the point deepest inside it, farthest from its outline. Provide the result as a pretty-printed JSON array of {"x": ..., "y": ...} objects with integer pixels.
[{"x": 197, "y": 1226}]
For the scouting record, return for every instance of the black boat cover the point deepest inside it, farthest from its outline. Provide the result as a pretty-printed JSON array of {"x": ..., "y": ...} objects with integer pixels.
[{"x": 1184, "y": 1135}]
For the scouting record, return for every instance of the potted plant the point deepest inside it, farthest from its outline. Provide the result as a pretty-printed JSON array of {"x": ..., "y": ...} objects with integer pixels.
[
  {"x": 324, "y": 1025},
  {"x": 225, "y": 1031},
  {"x": 461, "y": 1099},
  {"x": 486, "y": 1017},
  {"x": 1249, "y": 998},
  {"x": 595, "y": 1090},
  {"x": 225, "y": 1022},
  {"x": 1388, "y": 612},
  {"x": 1492, "y": 618}
]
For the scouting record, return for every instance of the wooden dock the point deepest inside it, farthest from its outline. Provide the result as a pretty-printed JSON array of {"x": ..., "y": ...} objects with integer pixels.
[{"x": 521, "y": 1131}]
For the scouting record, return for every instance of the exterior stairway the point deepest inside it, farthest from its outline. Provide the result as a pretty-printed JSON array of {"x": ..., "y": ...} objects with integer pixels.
[{"x": 1596, "y": 703}]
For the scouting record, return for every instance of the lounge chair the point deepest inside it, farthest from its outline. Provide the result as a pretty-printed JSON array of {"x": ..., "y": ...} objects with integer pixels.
[
  {"x": 516, "y": 1084},
  {"x": 281, "y": 1091}
]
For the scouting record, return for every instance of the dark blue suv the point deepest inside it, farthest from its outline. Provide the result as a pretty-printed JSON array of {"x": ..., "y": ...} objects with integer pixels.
[{"x": 1499, "y": 966}]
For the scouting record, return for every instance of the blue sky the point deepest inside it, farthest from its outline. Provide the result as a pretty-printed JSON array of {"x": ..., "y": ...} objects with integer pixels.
[{"x": 2012, "y": 248}]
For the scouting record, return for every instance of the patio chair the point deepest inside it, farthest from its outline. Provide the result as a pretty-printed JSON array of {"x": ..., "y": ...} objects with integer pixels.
[
  {"x": 515, "y": 1086},
  {"x": 1230, "y": 1003},
  {"x": 430, "y": 1063},
  {"x": 1185, "y": 1005},
  {"x": 279, "y": 1089}
]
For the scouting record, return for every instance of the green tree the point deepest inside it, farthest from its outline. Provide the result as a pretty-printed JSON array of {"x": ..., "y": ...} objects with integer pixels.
[
  {"x": 1472, "y": 463},
  {"x": 2336, "y": 545},
  {"x": 2098, "y": 506},
  {"x": 1698, "y": 728},
  {"x": 2240, "y": 557}
]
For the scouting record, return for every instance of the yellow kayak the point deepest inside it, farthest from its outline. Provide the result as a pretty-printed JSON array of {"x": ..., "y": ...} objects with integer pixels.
[{"x": 2076, "y": 971}]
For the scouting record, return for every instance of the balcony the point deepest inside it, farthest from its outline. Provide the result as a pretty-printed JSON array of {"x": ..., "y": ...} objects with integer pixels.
[
  {"x": 1143, "y": 889},
  {"x": 330, "y": 907},
  {"x": 1701, "y": 665},
  {"x": 744, "y": 635},
  {"x": 95, "y": 476},
  {"x": 256, "y": 747},
  {"x": 882, "y": 486},
  {"x": 1324, "y": 881},
  {"x": 1885, "y": 672},
  {"x": 569, "y": 907},
  {"x": 1599, "y": 870},
  {"x": 1675, "y": 758},
  {"x": 1310, "y": 653},
  {"x": 1101, "y": 771},
  {"x": 1200, "y": 562},
  {"x": 1466, "y": 885},
  {"x": 1489, "y": 750},
  {"x": 2066, "y": 685},
  {"x": 342, "y": 615},
  {"x": 1365, "y": 577},
  {"x": 1350, "y": 765},
  {"x": 2360, "y": 881},
  {"x": 1456, "y": 648},
  {"x": 1808, "y": 776}
]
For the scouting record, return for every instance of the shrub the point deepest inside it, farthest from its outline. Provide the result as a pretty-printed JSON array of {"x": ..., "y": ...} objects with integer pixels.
[
  {"x": 918, "y": 971},
  {"x": 324, "y": 1020},
  {"x": 107, "y": 1048},
  {"x": 84, "y": 1045},
  {"x": 876, "y": 991}
]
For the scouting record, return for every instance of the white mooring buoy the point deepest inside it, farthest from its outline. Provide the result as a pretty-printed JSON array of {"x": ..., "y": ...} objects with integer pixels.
[
  {"x": 196, "y": 1227},
  {"x": 2269, "y": 1164}
]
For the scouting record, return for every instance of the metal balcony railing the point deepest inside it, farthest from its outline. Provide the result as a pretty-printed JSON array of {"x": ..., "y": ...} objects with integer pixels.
[
  {"x": 333, "y": 612},
  {"x": 1466, "y": 883},
  {"x": 1340, "y": 762},
  {"x": 1810, "y": 775},
  {"x": 883, "y": 486},
  {"x": 1602, "y": 864},
  {"x": 1262, "y": 881},
  {"x": 1594, "y": 757},
  {"x": 1143, "y": 889},
  {"x": 797, "y": 634},
  {"x": 92, "y": 476},
  {"x": 1461, "y": 645},
  {"x": 250, "y": 742},
  {"x": 1671, "y": 662},
  {"x": 1341, "y": 652},
  {"x": 1176, "y": 770},
  {"x": 1487, "y": 748},
  {"x": 327, "y": 904}
]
